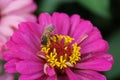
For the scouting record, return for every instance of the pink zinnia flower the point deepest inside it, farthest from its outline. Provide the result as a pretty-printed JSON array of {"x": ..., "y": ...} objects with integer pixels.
[
  {"x": 13, "y": 12},
  {"x": 58, "y": 48}
]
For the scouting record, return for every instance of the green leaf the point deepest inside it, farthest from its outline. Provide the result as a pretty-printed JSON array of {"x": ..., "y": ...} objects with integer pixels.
[
  {"x": 98, "y": 7},
  {"x": 114, "y": 42}
]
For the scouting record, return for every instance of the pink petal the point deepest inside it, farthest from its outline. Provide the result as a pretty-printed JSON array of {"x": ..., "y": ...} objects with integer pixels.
[
  {"x": 48, "y": 70},
  {"x": 96, "y": 46},
  {"x": 30, "y": 39},
  {"x": 32, "y": 30},
  {"x": 3, "y": 48},
  {"x": 3, "y": 40},
  {"x": 108, "y": 57},
  {"x": 61, "y": 22},
  {"x": 52, "y": 78},
  {"x": 84, "y": 28},
  {"x": 3, "y": 3},
  {"x": 7, "y": 27},
  {"x": 10, "y": 66},
  {"x": 45, "y": 19},
  {"x": 30, "y": 8},
  {"x": 16, "y": 4},
  {"x": 24, "y": 40},
  {"x": 100, "y": 55},
  {"x": 92, "y": 36},
  {"x": 70, "y": 74},
  {"x": 29, "y": 67},
  {"x": 35, "y": 76},
  {"x": 75, "y": 20},
  {"x": 55, "y": 18},
  {"x": 29, "y": 17},
  {"x": 28, "y": 44},
  {"x": 8, "y": 55},
  {"x": 82, "y": 77},
  {"x": 95, "y": 64},
  {"x": 27, "y": 54},
  {"x": 89, "y": 75},
  {"x": 33, "y": 33}
]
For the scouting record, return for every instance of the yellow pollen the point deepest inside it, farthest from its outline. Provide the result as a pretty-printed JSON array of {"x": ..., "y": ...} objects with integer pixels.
[
  {"x": 53, "y": 38},
  {"x": 68, "y": 39},
  {"x": 60, "y": 37},
  {"x": 59, "y": 58},
  {"x": 45, "y": 49}
]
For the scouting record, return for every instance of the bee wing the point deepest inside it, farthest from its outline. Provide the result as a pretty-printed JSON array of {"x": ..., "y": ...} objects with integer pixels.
[{"x": 50, "y": 28}]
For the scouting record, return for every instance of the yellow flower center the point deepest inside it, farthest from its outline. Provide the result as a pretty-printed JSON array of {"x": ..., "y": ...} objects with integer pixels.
[{"x": 60, "y": 51}]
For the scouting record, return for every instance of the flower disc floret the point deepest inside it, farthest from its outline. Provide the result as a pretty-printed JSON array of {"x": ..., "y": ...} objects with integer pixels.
[{"x": 60, "y": 52}]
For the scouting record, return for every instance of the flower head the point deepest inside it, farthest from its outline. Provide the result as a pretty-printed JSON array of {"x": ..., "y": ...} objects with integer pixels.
[
  {"x": 58, "y": 48},
  {"x": 12, "y": 12}
]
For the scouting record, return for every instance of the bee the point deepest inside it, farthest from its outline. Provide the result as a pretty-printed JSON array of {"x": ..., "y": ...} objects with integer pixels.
[{"x": 46, "y": 34}]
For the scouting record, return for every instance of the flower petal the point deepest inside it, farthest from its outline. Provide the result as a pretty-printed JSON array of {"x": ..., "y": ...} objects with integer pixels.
[
  {"x": 35, "y": 76},
  {"x": 33, "y": 33},
  {"x": 100, "y": 55},
  {"x": 95, "y": 64},
  {"x": 48, "y": 70},
  {"x": 24, "y": 40},
  {"x": 8, "y": 55},
  {"x": 15, "y": 5},
  {"x": 84, "y": 28},
  {"x": 61, "y": 22},
  {"x": 10, "y": 66},
  {"x": 52, "y": 78},
  {"x": 30, "y": 8},
  {"x": 70, "y": 74},
  {"x": 96, "y": 46},
  {"x": 29, "y": 67},
  {"x": 3, "y": 48},
  {"x": 89, "y": 75},
  {"x": 92, "y": 36},
  {"x": 45, "y": 20},
  {"x": 27, "y": 54},
  {"x": 7, "y": 27},
  {"x": 75, "y": 20},
  {"x": 3, "y": 3},
  {"x": 28, "y": 17}
]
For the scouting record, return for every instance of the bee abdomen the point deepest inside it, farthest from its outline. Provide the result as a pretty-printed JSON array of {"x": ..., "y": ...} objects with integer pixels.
[{"x": 44, "y": 40}]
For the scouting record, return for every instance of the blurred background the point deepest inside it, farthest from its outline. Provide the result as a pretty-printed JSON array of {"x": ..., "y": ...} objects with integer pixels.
[{"x": 105, "y": 14}]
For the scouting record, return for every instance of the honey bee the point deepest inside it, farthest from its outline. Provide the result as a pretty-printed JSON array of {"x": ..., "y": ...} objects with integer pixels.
[{"x": 46, "y": 34}]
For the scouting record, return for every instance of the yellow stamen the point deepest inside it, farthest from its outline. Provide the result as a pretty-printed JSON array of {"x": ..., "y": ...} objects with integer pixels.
[
  {"x": 53, "y": 57},
  {"x": 53, "y": 38},
  {"x": 62, "y": 62},
  {"x": 68, "y": 39},
  {"x": 45, "y": 49}
]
